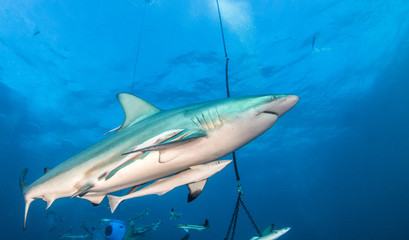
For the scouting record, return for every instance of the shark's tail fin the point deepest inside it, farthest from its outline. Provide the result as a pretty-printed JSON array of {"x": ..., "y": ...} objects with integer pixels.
[
  {"x": 114, "y": 201},
  {"x": 206, "y": 224},
  {"x": 28, "y": 201}
]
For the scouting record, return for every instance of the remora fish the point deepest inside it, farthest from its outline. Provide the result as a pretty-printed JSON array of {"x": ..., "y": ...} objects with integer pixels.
[
  {"x": 186, "y": 227},
  {"x": 195, "y": 178},
  {"x": 153, "y": 143},
  {"x": 270, "y": 234}
]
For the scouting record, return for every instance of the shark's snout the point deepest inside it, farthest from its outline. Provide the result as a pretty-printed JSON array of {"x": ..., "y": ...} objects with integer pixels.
[{"x": 282, "y": 105}]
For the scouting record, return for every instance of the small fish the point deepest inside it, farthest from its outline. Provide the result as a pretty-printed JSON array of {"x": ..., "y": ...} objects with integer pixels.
[
  {"x": 186, "y": 227},
  {"x": 36, "y": 33}
]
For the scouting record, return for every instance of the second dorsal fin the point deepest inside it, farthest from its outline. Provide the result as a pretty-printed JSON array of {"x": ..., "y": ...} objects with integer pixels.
[{"x": 136, "y": 109}]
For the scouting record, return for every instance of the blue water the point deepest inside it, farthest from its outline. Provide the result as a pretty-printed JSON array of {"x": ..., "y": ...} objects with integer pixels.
[{"x": 334, "y": 167}]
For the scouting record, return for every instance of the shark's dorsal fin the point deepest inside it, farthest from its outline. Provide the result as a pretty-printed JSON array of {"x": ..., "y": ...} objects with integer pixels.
[
  {"x": 268, "y": 230},
  {"x": 195, "y": 189},
  {"x": 135, "y": 109}
]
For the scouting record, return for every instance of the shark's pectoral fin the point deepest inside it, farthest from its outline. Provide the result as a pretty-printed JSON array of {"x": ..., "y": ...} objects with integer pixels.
[
  {"x": 195, "y": 189},
  {"x": 167, "y": 151},
  {"x": 138, "y": 151},
  {"x": 94, "y": 199}
]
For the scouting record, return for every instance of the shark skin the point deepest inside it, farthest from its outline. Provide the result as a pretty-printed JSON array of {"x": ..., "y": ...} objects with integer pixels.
[
  {"x": 203, "y": 132},
  {"x": 192, "y": 175}
]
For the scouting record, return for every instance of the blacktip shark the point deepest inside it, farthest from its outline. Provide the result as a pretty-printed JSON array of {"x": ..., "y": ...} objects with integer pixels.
[
  {"x": 271, "y": 234},
  {"x": 195, "y": 178},
  {"x": 187, "y": 227},
  {"x": 153, "y": 143}
]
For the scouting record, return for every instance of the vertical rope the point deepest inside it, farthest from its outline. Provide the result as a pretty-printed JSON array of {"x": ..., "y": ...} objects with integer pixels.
[
  {"x": 138, "y": 47},
  {"x": 227, "y": 82}
]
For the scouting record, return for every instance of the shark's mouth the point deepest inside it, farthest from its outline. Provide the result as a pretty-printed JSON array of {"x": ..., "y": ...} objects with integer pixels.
[{"x": 270, "y": 112}]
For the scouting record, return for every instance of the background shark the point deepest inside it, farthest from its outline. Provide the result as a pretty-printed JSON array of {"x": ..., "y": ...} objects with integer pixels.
[
  {"x": 154, "y": 143},
  {"x": 187, "y": 227},
  {"x": 271, "y": 234}
]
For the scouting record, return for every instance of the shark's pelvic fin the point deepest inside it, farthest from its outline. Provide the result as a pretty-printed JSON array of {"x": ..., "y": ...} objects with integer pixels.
[
  {"x": 94, "y": 199},
  {"x": 195, "y": 189},
  {"x": 135, "y": 109}
]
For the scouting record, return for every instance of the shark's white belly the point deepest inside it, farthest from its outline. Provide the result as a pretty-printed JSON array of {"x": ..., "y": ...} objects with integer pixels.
[{"x": 217, "y": 144}]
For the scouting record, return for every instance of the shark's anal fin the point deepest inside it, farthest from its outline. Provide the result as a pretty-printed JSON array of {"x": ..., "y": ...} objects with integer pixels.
[{"x": 195, "y": 189}]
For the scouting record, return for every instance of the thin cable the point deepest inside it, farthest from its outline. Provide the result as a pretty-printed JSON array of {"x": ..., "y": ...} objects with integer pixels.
[
  {"x": 227, "y": 82},
  {"x": 138, "y": 47}
]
